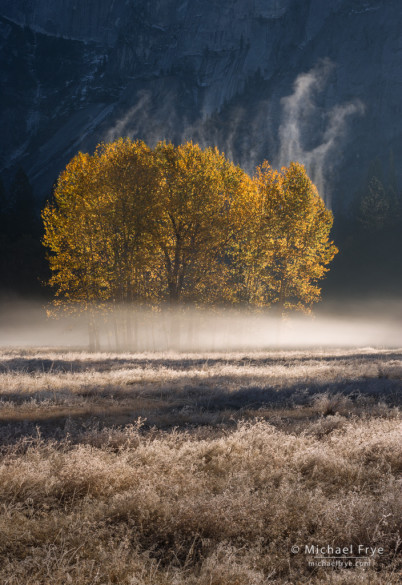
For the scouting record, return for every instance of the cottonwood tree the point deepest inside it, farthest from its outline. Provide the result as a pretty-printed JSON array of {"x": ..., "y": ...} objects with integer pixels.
[
  {"x": 73, "y": 233},
  {"x": 288, "y": 248},
  {"x": 204, "y": 204},
  {"x": 130, "y": 224},
  {"x": 129, "y": 184},
  {"x": 98, "y": 227}
]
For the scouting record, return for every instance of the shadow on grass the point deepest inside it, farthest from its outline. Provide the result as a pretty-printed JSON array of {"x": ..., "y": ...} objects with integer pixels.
[
  {"x": 195, "y": 406},
  {"x": 39, "y": 365}
]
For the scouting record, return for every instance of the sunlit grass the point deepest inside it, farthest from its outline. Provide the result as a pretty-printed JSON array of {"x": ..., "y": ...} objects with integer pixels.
[{"x": 200, "y": 469}]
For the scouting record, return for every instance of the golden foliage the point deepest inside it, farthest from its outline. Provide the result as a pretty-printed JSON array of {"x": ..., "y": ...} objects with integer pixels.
[
  {"x": 288, "y": 248},
  {"x": 134, "y": 224},
  {"x": 203, "y": 197}
]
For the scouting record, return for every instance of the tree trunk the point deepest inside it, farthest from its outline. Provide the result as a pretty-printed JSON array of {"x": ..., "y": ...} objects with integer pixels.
[{"x": 93, "y": 333}]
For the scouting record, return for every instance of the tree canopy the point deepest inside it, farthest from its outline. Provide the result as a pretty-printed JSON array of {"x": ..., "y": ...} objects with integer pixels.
[
  {"x": 183, "y": 224},
  {"x": 291, "y": 249}
]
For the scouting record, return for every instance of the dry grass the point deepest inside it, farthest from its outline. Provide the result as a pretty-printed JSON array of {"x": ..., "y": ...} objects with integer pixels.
[{"x": 198, "y": 469}]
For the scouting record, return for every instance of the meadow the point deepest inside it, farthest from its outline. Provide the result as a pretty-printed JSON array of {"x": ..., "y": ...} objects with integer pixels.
[{"x": 201, "y": 468}]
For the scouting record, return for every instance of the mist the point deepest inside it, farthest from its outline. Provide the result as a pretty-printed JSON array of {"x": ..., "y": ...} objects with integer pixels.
[
  {"x": 372, "y": 324},
  {"x": 309, "y": 132},
  {"x": 309, "y": 135}
]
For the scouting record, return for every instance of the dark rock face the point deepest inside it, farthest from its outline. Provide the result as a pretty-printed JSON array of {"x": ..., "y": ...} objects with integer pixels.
[{"x": 73, "y": 73}]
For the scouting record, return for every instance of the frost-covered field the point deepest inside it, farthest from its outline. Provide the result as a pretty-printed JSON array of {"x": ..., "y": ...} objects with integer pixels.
[{"x": 200, "y": 469}]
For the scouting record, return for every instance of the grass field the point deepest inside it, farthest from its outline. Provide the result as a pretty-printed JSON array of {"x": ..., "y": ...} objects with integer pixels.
[{"x": 200, "y": 469}]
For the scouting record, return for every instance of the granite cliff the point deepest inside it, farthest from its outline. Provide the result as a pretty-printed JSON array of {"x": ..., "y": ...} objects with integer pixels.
[{"x": 221, "y": 72}]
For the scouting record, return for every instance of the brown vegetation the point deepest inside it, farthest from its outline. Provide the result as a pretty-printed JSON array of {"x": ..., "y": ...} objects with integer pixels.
[{"x": 198, "y": 469}]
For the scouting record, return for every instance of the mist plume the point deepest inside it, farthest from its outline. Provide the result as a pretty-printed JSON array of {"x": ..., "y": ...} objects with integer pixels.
[{"x": 301, "y": 117}]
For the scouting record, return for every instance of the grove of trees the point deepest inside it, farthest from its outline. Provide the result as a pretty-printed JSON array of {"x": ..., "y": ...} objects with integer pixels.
[
  {"x": 181, "y": 224},
  {"x": 368, "y": 229}
]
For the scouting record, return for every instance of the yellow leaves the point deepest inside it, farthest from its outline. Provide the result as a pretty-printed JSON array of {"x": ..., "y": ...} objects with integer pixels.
[
  {"x": 289, "y": 247},
  {"x": 132, "y": 223},
  {"x": 201, "y": 198}
]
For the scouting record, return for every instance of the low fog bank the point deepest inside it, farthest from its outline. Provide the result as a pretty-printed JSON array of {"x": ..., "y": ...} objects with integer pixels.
[{"x": 374, "y": 324}]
